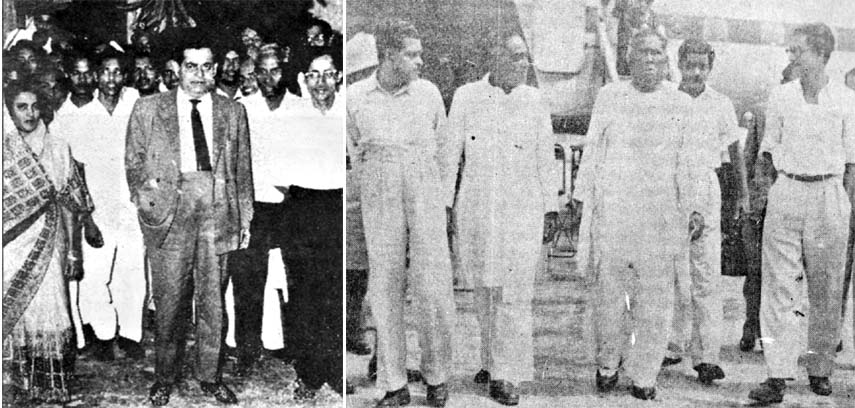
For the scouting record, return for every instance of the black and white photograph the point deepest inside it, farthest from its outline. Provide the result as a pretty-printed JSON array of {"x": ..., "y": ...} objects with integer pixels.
[
  {"x": 600, "y": 203},
  {"x": 173, "y": 189}
]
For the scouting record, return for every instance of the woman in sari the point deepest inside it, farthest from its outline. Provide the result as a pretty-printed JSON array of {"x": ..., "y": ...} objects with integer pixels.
[{"x": 43, "y": 194}]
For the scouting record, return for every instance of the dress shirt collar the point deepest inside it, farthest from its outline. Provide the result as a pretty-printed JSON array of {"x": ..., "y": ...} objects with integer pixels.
[
  {"x": 375, "y": 86},
  {"x": 184, "y": 98}
]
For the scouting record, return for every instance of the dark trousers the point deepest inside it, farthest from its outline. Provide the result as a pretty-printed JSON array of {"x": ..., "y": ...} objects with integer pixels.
[
  {"x": 186, "y": 268},
  {"x": 753, "y": 236},
  {"x": 357, "y": 285},
  {"x": 248, "y": 271},
  {"x": 312, "y": 248}
]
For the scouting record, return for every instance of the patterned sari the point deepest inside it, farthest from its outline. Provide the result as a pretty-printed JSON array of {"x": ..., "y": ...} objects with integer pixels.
[{"x": 37, "y": 328}]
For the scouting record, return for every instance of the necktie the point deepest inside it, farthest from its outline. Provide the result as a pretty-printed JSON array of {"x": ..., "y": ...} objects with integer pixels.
[{"x": 203, "y": 159}]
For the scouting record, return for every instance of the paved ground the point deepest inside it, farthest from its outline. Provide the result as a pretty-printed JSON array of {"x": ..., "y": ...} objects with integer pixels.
[
  {"x": 565, "y": 366},
  {"x": 125, "y": 383}
]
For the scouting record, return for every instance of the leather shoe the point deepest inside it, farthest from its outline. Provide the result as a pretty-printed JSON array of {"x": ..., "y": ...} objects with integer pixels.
[
  {"x": 839, "y": 347},
  {"x": 770, "y": 391},
  {"x": 159, "y": 394},
  {"x": 483, "y": 377},
  {"x": 746, "y": 344},
  {"x": 504, "y": 393},
  {"x": 669, "y": 361},
  {"x": 395, "y": 398},
  {"x": 820, "y": 385},
  {"x": 643, "y": 393},
  {"x": 437, "y": 395},
  {"x": 133, "y": 350},
  {"x": 708, "y": 372},
  {"x": 606, "y": 384},
  {"x": 219, "y": 390},
  {"x": 360, "y": 348}
]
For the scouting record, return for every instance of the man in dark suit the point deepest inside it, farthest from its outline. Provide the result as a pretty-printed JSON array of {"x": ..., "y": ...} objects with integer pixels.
[{"x": 188, "y": 169}]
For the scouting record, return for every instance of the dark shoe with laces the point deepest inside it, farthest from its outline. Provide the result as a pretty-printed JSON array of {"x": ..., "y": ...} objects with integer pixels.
[
  {"x": 159, "y": 394},
  {"x": 669, "y": 361},
  {"x": 707, "y": 373},
  {"x": 395, "y": 398},
  {"x": 133, "y": 350},
  {"x": 643, "y": 393},
  {"x": 606, "y": 384},
  {"x": 820, "y": 385},
  {"x": 437, "y": 395},
  {"x": 770, "y": 391},
  {"x": 483, "y": 377},
  {"x": 220, "y": 391},
  {"x": 504, "y": 393}
]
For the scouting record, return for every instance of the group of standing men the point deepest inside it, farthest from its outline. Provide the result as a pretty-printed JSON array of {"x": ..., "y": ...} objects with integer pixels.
[
  {"x": 651, "y": 206},
  {"x": 225, "y": 162}
]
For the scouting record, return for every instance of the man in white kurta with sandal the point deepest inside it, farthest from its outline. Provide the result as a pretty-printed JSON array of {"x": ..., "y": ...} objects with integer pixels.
[{"x": 507, "y": 184}]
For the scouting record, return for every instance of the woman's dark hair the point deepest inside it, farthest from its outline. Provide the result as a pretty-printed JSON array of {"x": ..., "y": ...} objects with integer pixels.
[{"x": 15, "y": 88}]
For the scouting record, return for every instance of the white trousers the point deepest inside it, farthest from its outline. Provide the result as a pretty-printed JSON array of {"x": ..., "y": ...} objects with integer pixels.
[
  {"x": 507, "y": 350},
  {"x": 698, "y": 308},
  {"x": 402, "y": 211},
  {"x": 804, "y": 238}
]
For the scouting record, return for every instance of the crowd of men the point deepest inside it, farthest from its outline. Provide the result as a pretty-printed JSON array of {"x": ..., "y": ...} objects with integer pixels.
[
  {"x": 202, "y": 157},
  {"x": 648, "y": 188}
]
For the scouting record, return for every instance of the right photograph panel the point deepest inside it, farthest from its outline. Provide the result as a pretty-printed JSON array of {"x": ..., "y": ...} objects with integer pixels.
[{"x": 595, "y": 202}]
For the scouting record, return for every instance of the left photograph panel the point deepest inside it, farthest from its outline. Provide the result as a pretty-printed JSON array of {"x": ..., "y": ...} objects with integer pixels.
[{"x": 173, "y": 176}]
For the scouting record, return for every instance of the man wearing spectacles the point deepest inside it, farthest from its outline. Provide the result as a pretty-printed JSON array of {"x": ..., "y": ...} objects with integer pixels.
[
  {"x": 808, "y": 157},
  {"x": 187, "y": 162},
  {"x": 311, "y": 166}
]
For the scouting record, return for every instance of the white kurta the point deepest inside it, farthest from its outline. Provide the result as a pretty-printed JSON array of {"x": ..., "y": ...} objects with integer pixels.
[
  {"x": 508, "y": 182},
  {"x": 113, "y": 287}
]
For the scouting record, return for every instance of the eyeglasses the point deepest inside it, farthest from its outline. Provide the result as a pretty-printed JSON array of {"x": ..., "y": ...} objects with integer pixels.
[
  {"x": 328, "y": 74},
  {"x": 206, "y": 68}
]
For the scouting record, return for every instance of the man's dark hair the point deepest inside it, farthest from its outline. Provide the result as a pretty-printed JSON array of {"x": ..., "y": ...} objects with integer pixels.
[
  {"x": 28, "y": 45},
  {"x": 326, "y": 28},
  {"x": 818, "y": 37},
  {"x": 77, "y": 55},
  {"x": 191, "y": 39},
  {"x": 111, "y": 53},
  {"x": 695, "y": 46},
  {"x": 389, "y": 36}
]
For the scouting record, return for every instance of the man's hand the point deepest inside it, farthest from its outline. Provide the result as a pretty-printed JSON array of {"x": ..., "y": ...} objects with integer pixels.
[
  {"x": 91, "y": 232},
  {"x": 74, "y": 265},
  {"x": 244, "y": 238},
  {"x": 696, "y": 226},
  {"x": 550, "y": 226}
]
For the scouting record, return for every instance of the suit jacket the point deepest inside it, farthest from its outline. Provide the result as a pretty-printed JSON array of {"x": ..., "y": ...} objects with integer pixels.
[{"x": 153, "y": 167}]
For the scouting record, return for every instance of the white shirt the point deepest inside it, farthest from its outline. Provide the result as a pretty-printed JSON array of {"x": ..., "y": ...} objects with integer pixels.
[
  {"x": 294, "y": 145},
  {"x": 97, "y": 138},
  {"x": 810, "y": 139},
  {"x": 185, "y": 127}
]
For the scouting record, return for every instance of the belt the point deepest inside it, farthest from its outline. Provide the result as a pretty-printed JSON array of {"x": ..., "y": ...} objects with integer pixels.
[{"x": 808, "y": 179}]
